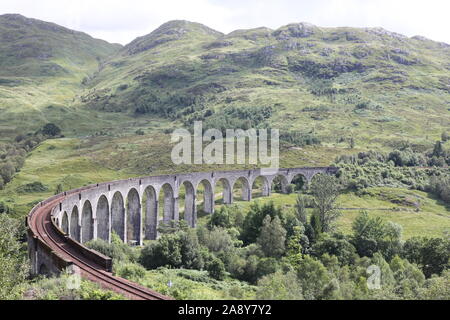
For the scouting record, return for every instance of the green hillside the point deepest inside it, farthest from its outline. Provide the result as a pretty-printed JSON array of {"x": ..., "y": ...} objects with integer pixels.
[
  {"x": 377, "y": 86},
  {"x": 42, "y": 69}
]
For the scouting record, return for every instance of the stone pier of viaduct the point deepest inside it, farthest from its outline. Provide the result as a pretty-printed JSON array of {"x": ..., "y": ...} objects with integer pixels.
[{"x": 135, "y": 207}]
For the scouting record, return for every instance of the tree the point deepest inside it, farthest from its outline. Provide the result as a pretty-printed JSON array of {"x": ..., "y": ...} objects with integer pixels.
[
  {"x": 279, "y": 286},
  {"x": 373, "y": 234},
  {"x": 117, "y": 249},
  {"x": 216, "y": 240},
  {"x": 408, "y": 276},
  {"x": 432, "y": 254},
  {"x": 220, "y": 218},
  {"x": 438, "y": 150},
  {"x": 300, "y": 209},
  {"x": 7, "y": 171},
  {"x": 273, "y": 237},
  {"x": 216, "y": 269},
  {"x": 253, "y": 222},
  {"x": 177, "y": 250},
  {"x": 13, "y": 261},
  {"x": 313, "y": 277},
  {"x": 325, "y": 190},
  {"x": 436, "y": 288},
  {"x": 297, "y": 245},
  {"x": 59, "y": 189},
  {"x": 338, "y": 246},
  {"x": 51, "y": 129}
]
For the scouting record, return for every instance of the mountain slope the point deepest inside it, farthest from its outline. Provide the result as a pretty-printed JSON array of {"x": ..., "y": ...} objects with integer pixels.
[
  {"x": 43, "y": 64},
  {"x": 376, "y": 85}
]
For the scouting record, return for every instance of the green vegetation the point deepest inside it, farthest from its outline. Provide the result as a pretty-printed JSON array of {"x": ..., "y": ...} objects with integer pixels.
[
  {"x": 269, "y": 253},
  {"x": 14, "y": 266},
  {"x": 76, "y": 110},
  {"x": 57, "y": 289}
]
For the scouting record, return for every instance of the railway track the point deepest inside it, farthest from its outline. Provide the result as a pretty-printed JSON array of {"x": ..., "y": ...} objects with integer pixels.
[{"x": 40, "y": 222}]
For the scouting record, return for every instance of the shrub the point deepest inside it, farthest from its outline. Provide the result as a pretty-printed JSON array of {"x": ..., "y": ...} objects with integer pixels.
[
  {"x": 338, "y": 246},
  {"x": 51, "y": 129},
  {"x": 32, "y": 187},
  {"x": 131, "y": 271},
  {"x": 431, "y": 254},
  {"x": 117, "y": 249},
  {"x": 279, "y": 286},
  {"x": 216, "y": 269},
  {"x": 177, "y": 250}
]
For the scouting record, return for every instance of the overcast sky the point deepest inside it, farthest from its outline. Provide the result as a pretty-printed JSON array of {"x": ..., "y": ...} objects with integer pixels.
[{"x": 123, "y": 20}]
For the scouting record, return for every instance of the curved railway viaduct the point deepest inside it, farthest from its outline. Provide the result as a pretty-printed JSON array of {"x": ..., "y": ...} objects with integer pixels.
[{"x": 133, "y": 208}]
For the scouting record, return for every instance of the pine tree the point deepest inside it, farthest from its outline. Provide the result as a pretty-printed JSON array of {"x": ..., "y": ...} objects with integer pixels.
[
  {"x": 272, "y": 237},
  {"x": 301, "y": 209}
]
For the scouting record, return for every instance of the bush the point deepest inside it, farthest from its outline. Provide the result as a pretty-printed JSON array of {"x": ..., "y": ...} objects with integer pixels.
[
  {"x": 117, "y": 250},
  {"x": 220, "y": 218},
  {"x": 216, "y": 269},
  {"x": 7, "y": 171},
  {"x": 177, "y": 250},
  {"x": 51, "y": 129},
  {"x": 338, "y": 246},
  {"x": 279, "y": 286},
  {"x": 32, "y": 187},
  {"x": 216, "y": 240},
  {"x": 131, "y": 271},
  {"x": 431, "y": 254},
  {"x": 373, "y": 234}
]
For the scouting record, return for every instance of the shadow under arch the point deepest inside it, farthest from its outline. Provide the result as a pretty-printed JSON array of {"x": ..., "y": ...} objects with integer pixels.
[
  {"x": 65, "y": 223},
  {"x": 187, "y": 197},
  {"x": 150, "y": 207},
  {"x": 44, "y": 270},
  {"x": 242, "y": 184},
  {"x": 87, "y": 226},
  {"x": 103, "y": 218},
  {"x": 75, "y": 224},
  {"x": 205, "y": 190},
  {"x": 118, "y": 215},
  {"x": 227, "y": 197},
  {"x": 299, "y": 182},
  {"x": 167, "y": 198},
  {"x": 261, "y": 187},
  {"x": 133, "y": 217},
  {"x": 280, "y": 184}
]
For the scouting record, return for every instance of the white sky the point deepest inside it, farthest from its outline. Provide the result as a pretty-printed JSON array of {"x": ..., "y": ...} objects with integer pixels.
[{"x": 122, "y": 21}]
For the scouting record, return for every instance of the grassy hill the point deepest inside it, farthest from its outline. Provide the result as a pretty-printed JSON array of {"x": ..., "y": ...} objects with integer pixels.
[
  {"x": 380, "y": 87},
  {"x": 42, "y": 68}
]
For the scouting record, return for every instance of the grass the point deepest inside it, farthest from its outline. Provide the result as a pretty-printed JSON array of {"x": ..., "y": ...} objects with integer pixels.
[{"x": 195, "y": 285}]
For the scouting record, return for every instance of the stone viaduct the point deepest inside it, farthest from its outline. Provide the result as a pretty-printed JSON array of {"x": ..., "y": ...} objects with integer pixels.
[{"x": 134, "y": 208}]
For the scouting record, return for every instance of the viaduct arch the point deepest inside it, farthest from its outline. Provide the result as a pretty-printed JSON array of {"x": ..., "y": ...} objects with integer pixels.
[{"x": 134, "y": 208}]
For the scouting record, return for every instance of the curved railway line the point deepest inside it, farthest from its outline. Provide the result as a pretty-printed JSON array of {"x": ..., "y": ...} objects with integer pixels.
[{"x": 43, "y": 227}]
